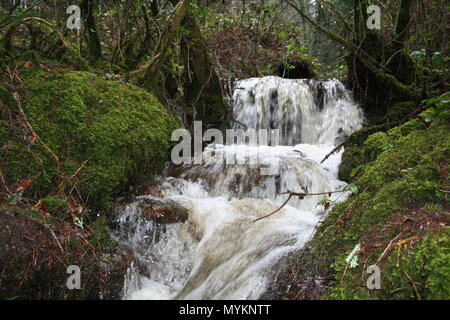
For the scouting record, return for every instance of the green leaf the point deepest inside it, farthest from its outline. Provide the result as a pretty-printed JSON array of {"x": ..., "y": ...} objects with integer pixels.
[
  {"x": 15, "y": 198},
  {"x": 356, "y": 171},
  {"x": 353, "y": 188}
]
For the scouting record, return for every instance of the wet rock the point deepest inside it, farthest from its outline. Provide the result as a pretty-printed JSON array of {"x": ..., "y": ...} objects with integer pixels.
[
  {"x": 301, "y": 69},
  {"x": 163, "y": 210}
]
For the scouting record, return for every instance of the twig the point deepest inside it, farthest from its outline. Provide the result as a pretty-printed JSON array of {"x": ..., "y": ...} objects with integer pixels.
[
  {"x": 414, "y": 285},
  {"x": 4, "y": 182},
  {"x": 339, "y": 146},
  {"x": 54, "y": 237},
  {"x": 30, "y": 127},
  {"x": 298, "y": 194},
  {"x": 270, "y": 214},
  {"x": 60, "y": 187},
  {"x": 239, "y": 123},
  {"x": 203, "y": 86},
  {"x": 48, "y": 24},
  {"x": 389, "y": 246}
]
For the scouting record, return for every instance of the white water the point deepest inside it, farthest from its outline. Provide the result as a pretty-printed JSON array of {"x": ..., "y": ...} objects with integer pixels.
[
  {"x": 305, "y": 111},
  {"x": 219, "y": 252}
]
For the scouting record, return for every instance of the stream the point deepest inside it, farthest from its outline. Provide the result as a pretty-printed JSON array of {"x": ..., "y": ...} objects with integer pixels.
[{"x": 217, "y": 251}]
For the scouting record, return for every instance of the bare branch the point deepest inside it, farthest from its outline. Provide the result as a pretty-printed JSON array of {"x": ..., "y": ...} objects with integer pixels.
[{"x": 300, "y": 195}]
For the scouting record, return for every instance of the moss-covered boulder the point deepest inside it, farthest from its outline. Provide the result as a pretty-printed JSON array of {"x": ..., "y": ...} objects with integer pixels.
[
  {"x": 93, "y": 137},
  {"x": 354, "y": 155}
]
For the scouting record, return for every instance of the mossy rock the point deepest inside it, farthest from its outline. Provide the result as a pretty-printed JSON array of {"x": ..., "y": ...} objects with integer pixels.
[
  {"x": 354, "y": 155},
  {"x": 375, "y": 144},
  {"x": 121, "y": 133}
]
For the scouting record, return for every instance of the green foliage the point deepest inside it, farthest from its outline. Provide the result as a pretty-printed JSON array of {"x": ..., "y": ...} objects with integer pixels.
[
  {"x": 55, "y": 205},
  {"x": 14, "y": 198},
  {"x": 433, "y": 207},
  {"x": 353, "y": 188},
  {"x": 101, "y": 233},
  {"x": 420, "y": 273}
]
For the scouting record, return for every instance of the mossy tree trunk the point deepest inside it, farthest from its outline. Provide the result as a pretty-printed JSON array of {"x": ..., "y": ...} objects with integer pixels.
[
  {"x": 93, "y": 39},
  {"x": 203, "y": 96},
  {"x": 377, "y": 78},
  {"x": 153, "y": 66},
  {"x": 380, "y": 88}
]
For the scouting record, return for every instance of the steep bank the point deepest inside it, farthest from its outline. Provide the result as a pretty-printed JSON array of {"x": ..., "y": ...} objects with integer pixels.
[{"x": 399, "y": 220}]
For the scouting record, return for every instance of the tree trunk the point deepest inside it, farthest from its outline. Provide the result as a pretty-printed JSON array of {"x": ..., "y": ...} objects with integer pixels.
[
  {"x": 379, "y": 89},
  {"x": 170, "y": 30},
  {"x": 202, "y": 89},
  {"x": 93, "y": 39}
]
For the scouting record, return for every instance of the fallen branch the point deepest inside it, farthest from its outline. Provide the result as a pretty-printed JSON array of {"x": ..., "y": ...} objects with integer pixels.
[
  {"x": 300, "y": 195},
  {"x": 388, "y": 248},
  {"x": 7, "y": 39},
  {"x": 61, "y": 186},
  {"x": 29, "y": 126},
  {"x": 54, "y": 237},
  {"x": 339, "y": 146}
]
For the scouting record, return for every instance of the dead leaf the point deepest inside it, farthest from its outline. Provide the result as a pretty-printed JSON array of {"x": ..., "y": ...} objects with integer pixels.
[
  {"x": 45, "y": 67},
  {"x": 28, "y": 64},
  {"x": 24, "y": 185}
]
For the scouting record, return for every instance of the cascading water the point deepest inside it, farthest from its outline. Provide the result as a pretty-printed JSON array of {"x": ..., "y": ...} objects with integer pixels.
[
  {"x": 219, "y": 252},
  {"x": 305, "y": 111}
]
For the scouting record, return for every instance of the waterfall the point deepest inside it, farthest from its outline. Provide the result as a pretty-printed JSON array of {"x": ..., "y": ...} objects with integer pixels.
[
  {"x": 217, "y": 251},
  {"x": 305, "y": 111}
]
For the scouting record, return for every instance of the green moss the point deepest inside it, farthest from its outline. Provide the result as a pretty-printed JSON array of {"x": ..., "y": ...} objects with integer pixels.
[
  {"x": 427, "y": 266},
  {"x": 55, "y": 206},
  {"x": 354, "y": 155},
  {"x": 400, "y": 167},
  {"x": 375, "y": 144},
  {"x": 119, "y": 131},
  {"x": 398, "y": 111},
  {"x": 422, "y": 272},
  {"x": 101, "y": 235}
]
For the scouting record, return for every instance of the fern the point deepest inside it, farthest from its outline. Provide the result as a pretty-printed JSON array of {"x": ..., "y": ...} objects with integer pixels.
[{"x": 431, "y": 207}]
